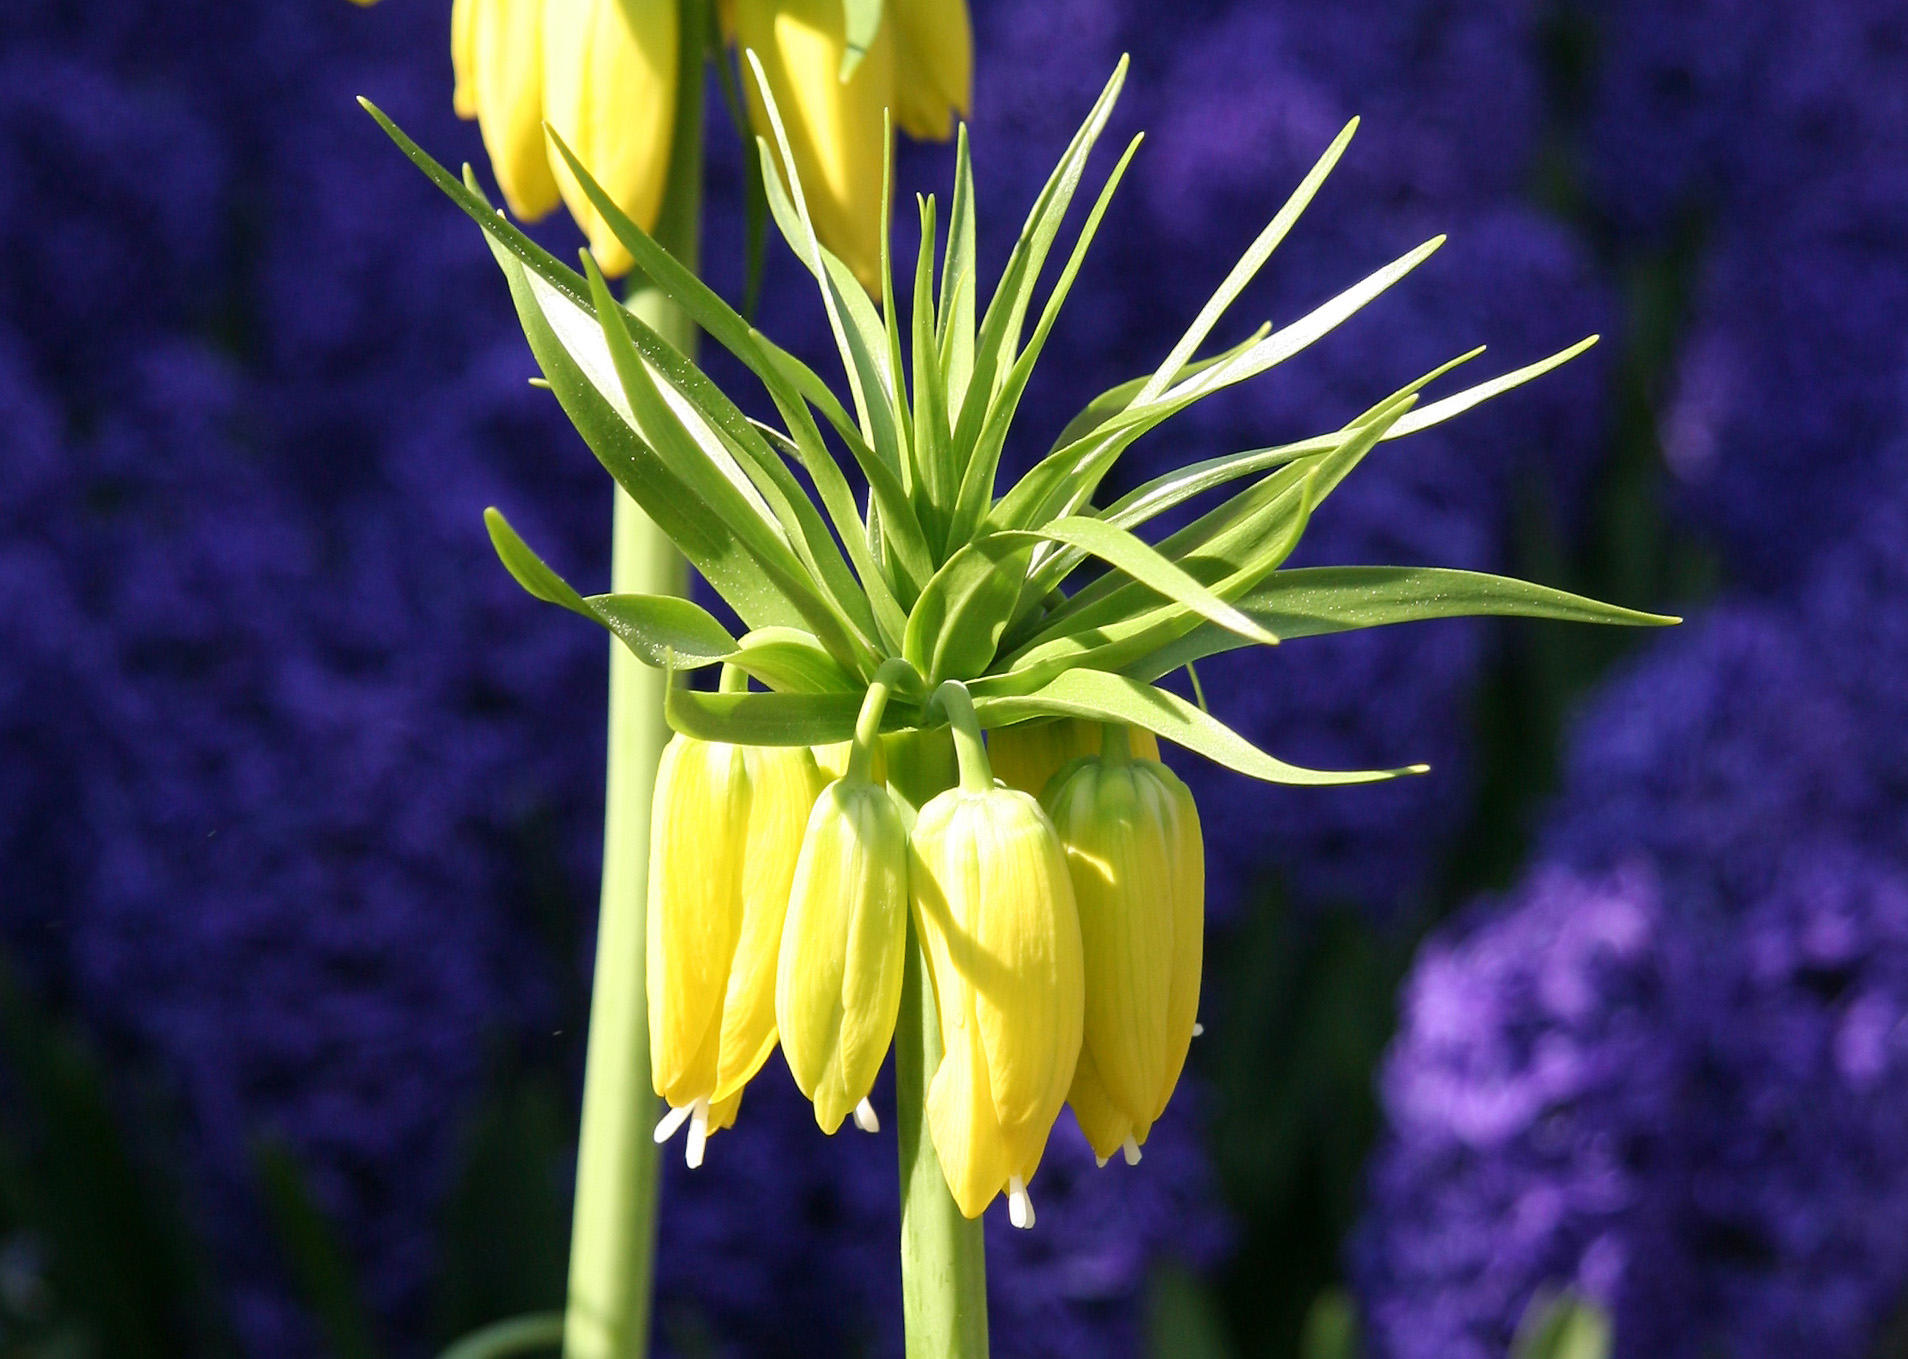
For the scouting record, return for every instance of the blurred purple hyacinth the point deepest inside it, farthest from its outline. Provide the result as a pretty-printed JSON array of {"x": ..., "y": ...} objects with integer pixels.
[{"x": 1707, "y": 1136}]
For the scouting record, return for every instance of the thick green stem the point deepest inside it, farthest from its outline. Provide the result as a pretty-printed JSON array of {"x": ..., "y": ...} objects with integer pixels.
[
  {"x": 613, "y": 1229},
  {"x": 943, "y": 1261}
]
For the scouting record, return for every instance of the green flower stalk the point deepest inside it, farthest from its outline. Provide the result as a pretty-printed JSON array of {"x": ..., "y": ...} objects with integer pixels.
[{"x": 909, "y": 593}]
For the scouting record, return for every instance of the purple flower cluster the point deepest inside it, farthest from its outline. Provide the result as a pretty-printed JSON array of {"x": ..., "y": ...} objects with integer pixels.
[
  {"x": 1671, "y": 1068},
  {"x": 1776, "y": 134}
]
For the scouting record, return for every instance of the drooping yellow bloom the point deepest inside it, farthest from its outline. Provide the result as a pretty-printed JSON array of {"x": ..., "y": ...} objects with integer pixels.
[
  {"x": 933, "y": 66},
  {"x": 838, "y": 988},
  {"x": 603, "y": 73},
  {"x": 496, "y": 58},
  {"x": 834, "y": 126},
  {"x": 994, "y": 906},
  {"x": 726, "y": 830},
  {"x": 1029, "y": 755},
  {"x": 1135, "y": 856},
  {"x": 609, "y": 91}
]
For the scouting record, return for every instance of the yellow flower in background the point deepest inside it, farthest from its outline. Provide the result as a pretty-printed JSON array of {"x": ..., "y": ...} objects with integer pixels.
[
  {"x": 609, "y": 81},
  {"x": 601, "y": 72},
  {"x": 834, "y": 126},
  {"x": 1027, "y": 756},
  {"x": 1134, "y": 853},
  {"x": 498, "y": 73},
  {"x": 838, "y": 987},
  {"x": 934, "y": 66},
  {"x": 726, "y": 831},
  {"x": 994, "y": 906}
]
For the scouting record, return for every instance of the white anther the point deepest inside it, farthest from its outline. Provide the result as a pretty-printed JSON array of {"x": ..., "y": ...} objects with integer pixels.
[
  {"x": 1199, "y": 1030},
  {"x": 671, "y": 1121},
  {"x": 865, "y": 1118},
  {"x": 698, "y": 1134},
  {"x": 1019, "y": 1207},
  {"x": 1130, "y": 1150}
]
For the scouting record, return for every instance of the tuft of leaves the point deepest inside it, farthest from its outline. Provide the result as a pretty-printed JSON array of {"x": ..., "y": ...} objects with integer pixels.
[{"x": 1043, "y": 603}]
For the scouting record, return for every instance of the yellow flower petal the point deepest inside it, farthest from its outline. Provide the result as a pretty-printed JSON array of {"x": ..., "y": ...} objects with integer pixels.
[
  {"x": 934, "y": 65},
  {"x": 609, "y": 74},
  {"x": 834, "y": 128},
  {"x": 506, "y": 85}
]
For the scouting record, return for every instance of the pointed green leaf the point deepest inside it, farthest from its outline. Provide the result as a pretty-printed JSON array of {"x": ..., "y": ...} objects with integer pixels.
[
  {"x": 999, "y": 339},
  {"x": 959, "y": 281},
  {"x": 955, "y": 627},
  {"x": 1141, "y": 562},
  {"x": 977, "y": 481},
  {"x": 1315, "y": 601},
  {"x": 1101, "y": 697},
  {"x": 774, "y": 719},
  {"x": 1248, "y": 266},
  {"x": 1437, "y": 412},
  {"x": 654, "y": 627}
]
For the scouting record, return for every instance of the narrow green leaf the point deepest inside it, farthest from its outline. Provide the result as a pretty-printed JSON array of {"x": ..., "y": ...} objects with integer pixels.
[
  {"x": 1248, "y": 266},
  {"x": 714, "y": 476},
  {"x": 999, "y": 338},
  {"x": 511, "y": 1336},
  {"x": 1141, "y": 562},
  {"x": 791, "y": 661},
  {"x": 977, "y": 481},
  {"x": 773, "y": 719},
  {"x": 1315, "y": 601},
  {"x": 1562, "y": 1326},
  {"x": 1101, "y": 697},
  {"x": 959, "y": 280},
  {"x": 1115, "y": 400},
  {"x": 955, "y": 626},
  {"x": 1182, "y": 484},
  {"x": 710, "y": 544},
  {"x": 933, "y": 451},
  {"x": 654, "y": 627},
  {"x": 1283, "y": 343},
  {"x": 1437, "y": 412},
  {"x": 890, "y": 324}
]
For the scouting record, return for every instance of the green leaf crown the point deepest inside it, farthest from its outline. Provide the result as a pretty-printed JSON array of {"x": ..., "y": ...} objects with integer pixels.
[{"x": 922, "y": 560}]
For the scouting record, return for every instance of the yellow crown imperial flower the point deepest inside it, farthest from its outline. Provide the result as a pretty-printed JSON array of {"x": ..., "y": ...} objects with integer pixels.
[
  {"x": 1137, "y": 864},
  {"x": 994, "y": 907},
  {"x": 834, "y": 126},
  {"x": 838, "y": 987},
  {"x": 498, "y": 70},
  {"x": 603, "y": 74},
  {"x": 609, "y": 91},
  {"x": 934, "y": 66},
  {"x": 1028, "y": 755},
  {"x": 726, "y": 830}
]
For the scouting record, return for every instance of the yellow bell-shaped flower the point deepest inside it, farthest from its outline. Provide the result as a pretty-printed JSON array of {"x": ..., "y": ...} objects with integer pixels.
[
  {"x": 497, "y": 64},
  {"x": 725, "y": 834},
  {"x": 1029, "y": 755},
  {"x": 609, "y": 91},
  {"x": 933, "y": 66},
  {"x": 834, "y": 127},
  {"x": 1135, "y": 856},
  {"x": 994, "y": 907},
  {"x": 838, "y": 988}
]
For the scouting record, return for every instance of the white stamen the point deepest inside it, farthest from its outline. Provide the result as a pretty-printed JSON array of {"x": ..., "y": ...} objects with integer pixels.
[
  {"x": 671, "y": 1121},
  {"x": 1019, "y": 1207},
  {"x": 698, "y": 1134},
  {"x": 1199, "y": 1030},
  {"x": 865, "y": 1118},
  {"x": 1130, "y": 1150}
]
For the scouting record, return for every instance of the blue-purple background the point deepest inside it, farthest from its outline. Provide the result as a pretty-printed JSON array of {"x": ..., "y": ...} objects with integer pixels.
[{"x": 299, "y": 795}]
